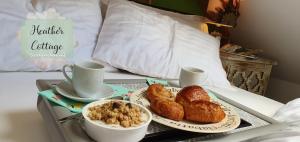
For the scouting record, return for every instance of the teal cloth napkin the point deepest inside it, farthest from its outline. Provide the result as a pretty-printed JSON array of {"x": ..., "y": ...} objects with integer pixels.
[
  {"x": 211, "y": 95},
  {"x": 151, "y": 81},
  {"x": 72, "y": 105}
]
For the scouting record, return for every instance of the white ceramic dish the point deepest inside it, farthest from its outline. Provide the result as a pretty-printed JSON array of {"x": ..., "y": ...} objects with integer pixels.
[
  {"x": 230, "y": 122},
  {"x": 105, "y": 133},
  {"x": 65, "y": 89}
]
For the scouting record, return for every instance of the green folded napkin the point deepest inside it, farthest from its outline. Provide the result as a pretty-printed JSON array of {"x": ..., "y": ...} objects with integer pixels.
[
  {"x": 151, "y": 81},
  {"x": 72, "y": 105},
  {"x": 211, "y": 95}
]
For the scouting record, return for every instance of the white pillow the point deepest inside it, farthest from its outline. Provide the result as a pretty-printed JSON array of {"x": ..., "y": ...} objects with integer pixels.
[
  {"x": 85, "y": 14},
  {"x": 143, "y": 41}
]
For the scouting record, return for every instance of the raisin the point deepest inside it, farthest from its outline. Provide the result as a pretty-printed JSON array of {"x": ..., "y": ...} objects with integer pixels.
[
  {"x": 129, "y": 105},
  {"x": 116, "y": 105}
]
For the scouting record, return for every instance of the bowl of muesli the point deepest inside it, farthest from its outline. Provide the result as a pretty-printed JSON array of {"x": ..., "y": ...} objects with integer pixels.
[{"x": 116, "y": 120}]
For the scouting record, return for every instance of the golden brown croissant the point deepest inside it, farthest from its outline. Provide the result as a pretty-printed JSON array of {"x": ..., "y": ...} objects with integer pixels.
[
  {"x": 162, "y": 102},
  {"x": 192, "y": 103},
  {"x": 157, "y": 91},
  {"x": 191, "y": 93},
  {"x": 203, "y": 112},
  {"x": 168, "y": 109},
  {"x": 197, "y": 105}
]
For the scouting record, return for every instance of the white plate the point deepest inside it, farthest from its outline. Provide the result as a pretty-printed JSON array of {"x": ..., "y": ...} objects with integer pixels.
[
  {"x": 230, "y": 122},
  {"x": 66, "y": 89}
]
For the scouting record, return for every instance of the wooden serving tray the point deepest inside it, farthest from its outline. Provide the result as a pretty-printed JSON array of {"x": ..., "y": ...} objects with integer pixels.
[{"x": 71, "y": 131}]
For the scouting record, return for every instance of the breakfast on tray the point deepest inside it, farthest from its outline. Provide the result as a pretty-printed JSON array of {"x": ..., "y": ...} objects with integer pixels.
[
  {"x": 116, "y": 112},
  {"x": 192, "y": 103}
]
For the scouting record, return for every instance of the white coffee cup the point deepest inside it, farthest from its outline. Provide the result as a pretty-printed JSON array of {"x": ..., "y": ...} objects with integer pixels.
[
  {"x": 192, "y": 76},
  {"x": 87, "y": 78}
]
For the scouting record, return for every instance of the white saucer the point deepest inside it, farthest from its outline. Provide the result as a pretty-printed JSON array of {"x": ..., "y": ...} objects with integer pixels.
[{"x": 66, "y": 89}]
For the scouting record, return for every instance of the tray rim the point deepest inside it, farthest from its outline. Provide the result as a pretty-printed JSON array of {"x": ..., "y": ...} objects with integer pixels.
[{"x": 45, "y": 84}]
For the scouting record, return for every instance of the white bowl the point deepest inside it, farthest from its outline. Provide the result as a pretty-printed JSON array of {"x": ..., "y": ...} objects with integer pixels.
[{"x": 102, "y": 132}]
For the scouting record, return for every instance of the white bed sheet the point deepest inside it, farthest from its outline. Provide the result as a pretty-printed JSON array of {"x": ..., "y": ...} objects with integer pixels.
[{"x": 20, "y": 120}]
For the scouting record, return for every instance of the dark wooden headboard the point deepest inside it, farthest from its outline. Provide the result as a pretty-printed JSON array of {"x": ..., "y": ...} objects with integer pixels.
[{"x": 193, "y": 7}]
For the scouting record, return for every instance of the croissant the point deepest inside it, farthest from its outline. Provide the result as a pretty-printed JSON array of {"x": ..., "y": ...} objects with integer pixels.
[
  {"x": 157, "y": 91},
  {"x": 197, "y": 105},
  {"x": 168, "y": 109},
  {"x": 203, "y": 112},
  {"x": 162, "y": 102},
  {"x": 192, "y": 103},
  {"x": 191, "y": 93}
]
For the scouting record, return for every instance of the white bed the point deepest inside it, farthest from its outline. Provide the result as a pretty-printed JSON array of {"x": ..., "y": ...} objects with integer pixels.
[{"x": 20, "y": 120}]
